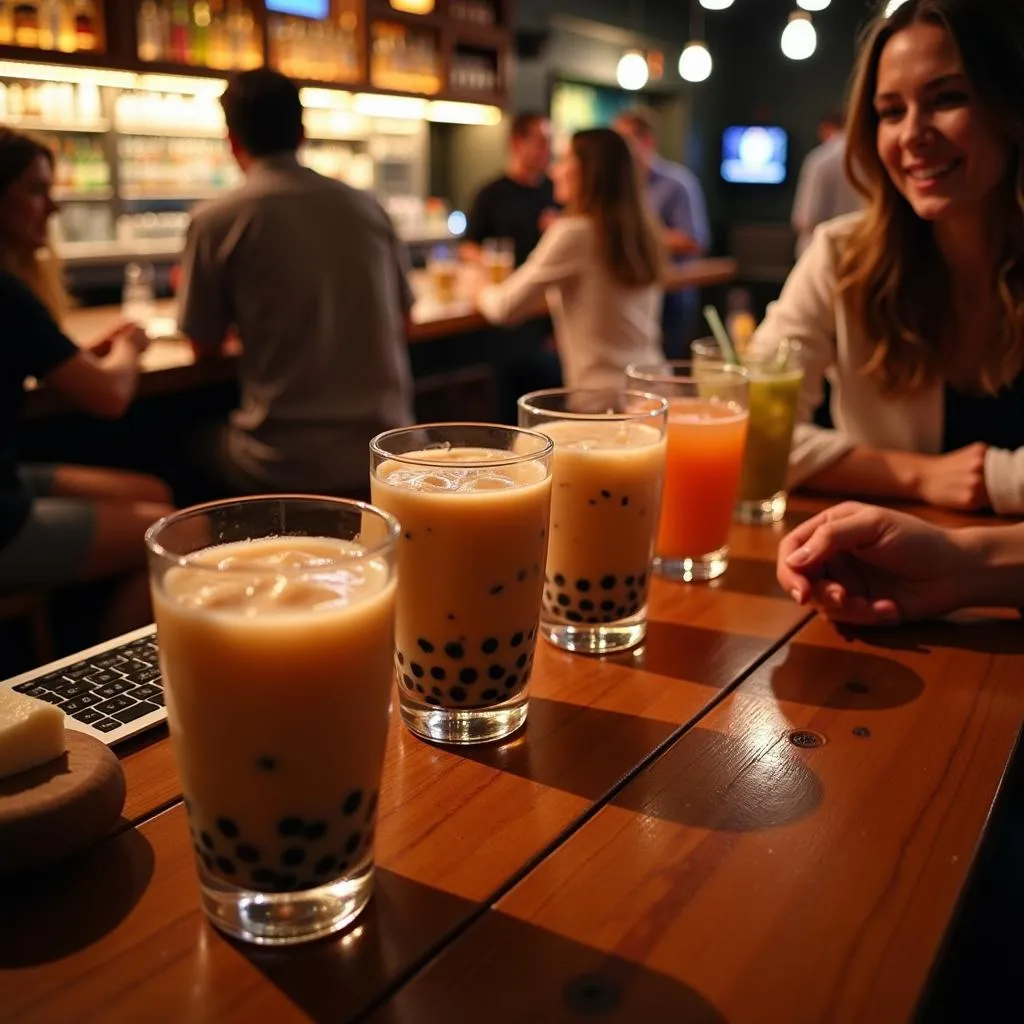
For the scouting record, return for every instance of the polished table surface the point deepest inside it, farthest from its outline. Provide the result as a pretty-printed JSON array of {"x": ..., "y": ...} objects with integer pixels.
[{"x": 751, "y": 817}]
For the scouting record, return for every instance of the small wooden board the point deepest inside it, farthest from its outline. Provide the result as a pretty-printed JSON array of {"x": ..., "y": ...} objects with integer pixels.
[{"x": 59, "y": 808}]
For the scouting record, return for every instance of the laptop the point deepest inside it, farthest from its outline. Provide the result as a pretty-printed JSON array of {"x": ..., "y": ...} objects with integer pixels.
[{"x": 112, "y": 691}]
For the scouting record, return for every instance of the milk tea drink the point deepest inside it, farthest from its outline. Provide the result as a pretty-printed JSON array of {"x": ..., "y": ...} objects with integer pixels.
[{"x": 276, "y": 657}]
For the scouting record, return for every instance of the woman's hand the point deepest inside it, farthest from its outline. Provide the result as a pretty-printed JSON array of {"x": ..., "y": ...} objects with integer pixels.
[
  {"x": 956, "y": 480},
  {"x": 124, "y": 332},
  {"x": 872, "y": 566}
]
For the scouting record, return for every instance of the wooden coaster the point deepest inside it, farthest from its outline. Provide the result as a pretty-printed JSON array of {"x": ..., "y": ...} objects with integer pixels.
[{"x": 60, "y": 808}]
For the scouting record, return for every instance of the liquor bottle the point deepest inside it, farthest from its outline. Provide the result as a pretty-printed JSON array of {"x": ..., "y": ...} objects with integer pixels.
[
  {"x": 85, "y": 25},
  {"x": 180, "y": 22},
  {"x": 26, "y": 25},
  {"x": 148, "y": 30},
  {"x": 218, "y": 55},
  {"x": 6, "y": 22},
  {"x": 49, "y": 24},
  {"x": 201, "y": 33}
]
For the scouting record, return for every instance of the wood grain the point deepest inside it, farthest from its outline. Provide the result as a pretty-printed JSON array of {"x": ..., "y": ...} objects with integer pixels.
[{"x": 749, "y": 879}]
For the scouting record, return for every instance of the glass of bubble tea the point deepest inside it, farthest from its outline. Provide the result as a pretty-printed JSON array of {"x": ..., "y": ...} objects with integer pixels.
[
  {"x": 776, "y": 378},
  {"x": 275, "y": 625},
  {"x": 707, "y": 430},
  {"x": 606, "y": 482},
  {"x": 473, "y": 500},
  {"x": 499, "y": 259}
]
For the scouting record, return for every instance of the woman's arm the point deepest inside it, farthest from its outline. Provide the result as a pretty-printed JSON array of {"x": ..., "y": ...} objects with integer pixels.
[
  {"x": 103, "y": 386},
  {"x": 558, "y": 257}
]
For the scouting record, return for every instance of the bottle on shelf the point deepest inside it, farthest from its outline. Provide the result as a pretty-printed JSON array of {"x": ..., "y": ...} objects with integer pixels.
[
  {"x": 6, "y": 22},
  {"x": 26, "y": 24},
  {"x": 180, "y": 24},
  {"x": 200, "y": 52},
  {"x": 86, "y": 28},
  {"x": 148, "y": 33},
  {"x": 218, "y": 46}
]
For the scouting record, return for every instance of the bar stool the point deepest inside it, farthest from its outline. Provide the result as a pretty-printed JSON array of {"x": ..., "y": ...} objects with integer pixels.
[{"x": 34, "y": 607}]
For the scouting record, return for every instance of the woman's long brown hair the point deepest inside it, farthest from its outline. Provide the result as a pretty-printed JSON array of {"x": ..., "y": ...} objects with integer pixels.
[
  {"x": 610, "y": 194},
  {"x": 892, "y": 278},
  {"x": 39, "y": 271}
]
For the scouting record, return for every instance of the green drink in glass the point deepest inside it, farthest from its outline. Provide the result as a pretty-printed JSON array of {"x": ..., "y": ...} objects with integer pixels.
[{"x": 776, "y": 379}]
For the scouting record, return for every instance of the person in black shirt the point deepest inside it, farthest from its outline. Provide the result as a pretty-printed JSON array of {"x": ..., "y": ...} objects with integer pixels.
[
  {"x": 62, "y": 524},
  {"x": 519, "y": 205}
]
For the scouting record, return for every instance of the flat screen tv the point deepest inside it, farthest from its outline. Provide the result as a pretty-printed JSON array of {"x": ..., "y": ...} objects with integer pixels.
[
  {"x": 300, "y": 8},
  {"x": 754, "y": 155}
]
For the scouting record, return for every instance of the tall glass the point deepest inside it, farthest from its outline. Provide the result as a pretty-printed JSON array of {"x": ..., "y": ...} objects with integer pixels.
[
  {"x": 275, "y": 622},
  {"x": 776, "y": 379},
  {"x": 609, "y": 464},
  {"x": 707, "y": 430},
  {"x": 473, "y": 500},
  {"x": 443, "y": 272},
  {"x": 499, "y": 258}
]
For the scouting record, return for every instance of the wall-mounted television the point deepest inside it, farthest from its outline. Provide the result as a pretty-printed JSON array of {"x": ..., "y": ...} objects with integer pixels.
[
  {"x": 300, "y": 8},
  {"x": 754, "y": 155}
]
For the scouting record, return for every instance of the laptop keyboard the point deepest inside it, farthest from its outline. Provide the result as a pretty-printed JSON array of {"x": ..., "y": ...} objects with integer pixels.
[{"x": 106, "y": 691}]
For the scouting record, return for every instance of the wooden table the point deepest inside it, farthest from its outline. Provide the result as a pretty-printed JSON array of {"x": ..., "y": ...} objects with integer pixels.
[{"x": 751, "y": 818}]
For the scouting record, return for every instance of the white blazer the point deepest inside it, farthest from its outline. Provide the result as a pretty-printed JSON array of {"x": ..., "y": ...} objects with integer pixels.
[{"x": 834, "y": 347}]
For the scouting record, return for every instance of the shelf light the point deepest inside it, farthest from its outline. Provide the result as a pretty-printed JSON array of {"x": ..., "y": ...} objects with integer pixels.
[
  {"x": 413, "y": 6},
  {"x": 66, "y": 73},
  {"x": 409, "y": 108},
  {"x": 325, "y": 99},
  {"x": 182, "y": 84},
  {"x": 447, "y": 112}
]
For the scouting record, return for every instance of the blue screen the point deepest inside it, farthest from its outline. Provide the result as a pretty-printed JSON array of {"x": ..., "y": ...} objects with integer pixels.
[
  {"x": 300, "y": 8},
  {"x": 754, "y": 155}
]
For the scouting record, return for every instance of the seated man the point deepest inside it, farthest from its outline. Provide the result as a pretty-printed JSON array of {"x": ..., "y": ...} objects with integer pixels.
[{"x": 310, "y": 275}]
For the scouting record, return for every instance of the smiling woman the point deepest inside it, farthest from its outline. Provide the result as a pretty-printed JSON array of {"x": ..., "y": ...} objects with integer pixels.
[{"x": 915, "y": 308}]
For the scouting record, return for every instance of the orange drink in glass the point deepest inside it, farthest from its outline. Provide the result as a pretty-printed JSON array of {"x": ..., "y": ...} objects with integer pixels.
[{"x": 707, "y": 432}]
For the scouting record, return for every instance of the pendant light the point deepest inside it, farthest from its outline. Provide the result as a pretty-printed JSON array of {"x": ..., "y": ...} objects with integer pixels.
[
  {"x": 799, "y": 38},
  {"x": 695, "y": 63},
  {"x": 632, "y": 73},
  {"x": 719, "y": 5},
  {"x": 813, "y": 5}
]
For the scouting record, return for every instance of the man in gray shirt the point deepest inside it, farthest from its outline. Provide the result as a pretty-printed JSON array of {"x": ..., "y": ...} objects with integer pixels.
[{"x": 311, "y": 277}]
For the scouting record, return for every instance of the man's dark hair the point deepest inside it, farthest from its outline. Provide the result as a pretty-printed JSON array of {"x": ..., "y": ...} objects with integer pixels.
[
  {"x": 643, "y": 121},
  {"x": 524, "y": 122},
  {"x": 263, "y": 112},
  {"x": 834, "y": 116}
]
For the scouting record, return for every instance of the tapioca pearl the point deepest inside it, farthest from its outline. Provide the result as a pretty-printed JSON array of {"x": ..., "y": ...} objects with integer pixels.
[
  {"x": 490, "y": 694},
  {"x": 520, "y": 576},
  {"x": 342, "y": 866},
  {"x": 592, "y": 620},
  {"x": 607, "y": 582},
  {"x": 574, "y": 616},
  {"x": 325, "y": 864},
  {"x": 559, "y": 580},
  {"x": 633, "y": 595},
  {"x": 555, "y": 611},
  {"x": 625, "y": 501},
  {"x": 489, "y": 646},
  {"x": 401, "y": 658},
  {"x": 517, "y": 639},
  {"x": 419, "y": 688},
  {"x": 316, "y": 830},
  {"x": 263, "y": 876},
  {"x": 591, "y": 501},
  {"x": 511, "y": 682},
  {"x": 285, "y": 882},
  {"x": 608, "y": 606},
  {"x": 425, "y": 645},
  {"x": 548, "y": 596},
  {"x": 248, "y": 853},
  {"x": 293, "y": 856},
  {"x": 352, "y": 802},
  {"x": 225, "y": 866},
  {"x": 451, "y": 616},
  {"x": 620, "y": 613},
  {"x": 438, "y": 673},
  {"x": 266, "y": 764},
  {"x": 417, "y": 670},
  {"x": 207, "y": 840},
  {"x": 583, "y": 586},
  {"x": 457, "y": 693},
  {"x": 371, "y": 807},
  {"x": 437, "y": 691},
  {"x": 290, "y": 826},
  {"x": 586, "y": 605},
  {"x": 606, "y": 494},
  {"x": 496, "y": 589},
  {"x": 607, "y": 618},
  {"x": 468, "y": 676},
  {"x": 496, "y": 672},
  {"x": 408, "y": 682},
  {"x": 433, "y": 702},
  {"x": 352, "y": 843},
  {"x": 228, "y": 828},
  {"x": 208, "y": 861},
  {"x": 454, "y": 650},
  {"x": 629, "y": 581},
  {"x": 564, "y": 600},
  {"x": 522, "y": 660}
]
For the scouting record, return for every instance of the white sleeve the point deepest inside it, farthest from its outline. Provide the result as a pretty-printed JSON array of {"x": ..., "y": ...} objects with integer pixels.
[
  {"x": 1004, "y": 480},
  {"x": 806, "y": 187},
  {"x": 558, "y": 257},
  {"x": 805, "y": 312}
]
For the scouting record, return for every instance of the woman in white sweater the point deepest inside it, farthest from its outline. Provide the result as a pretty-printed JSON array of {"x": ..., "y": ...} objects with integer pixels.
[
  {"x": 599, "y": 266},
  {"x": 914, "y": 310}
]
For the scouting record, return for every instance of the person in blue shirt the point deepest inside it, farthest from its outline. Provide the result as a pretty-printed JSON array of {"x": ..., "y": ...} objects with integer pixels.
[{"x": 677, "y": 200}]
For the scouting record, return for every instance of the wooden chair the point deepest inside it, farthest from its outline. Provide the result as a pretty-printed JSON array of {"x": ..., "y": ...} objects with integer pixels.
[{"x": 34, "y": 607}]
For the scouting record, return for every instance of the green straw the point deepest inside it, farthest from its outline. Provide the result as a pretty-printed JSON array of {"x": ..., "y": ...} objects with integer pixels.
[{"x": 725, "y": 344}]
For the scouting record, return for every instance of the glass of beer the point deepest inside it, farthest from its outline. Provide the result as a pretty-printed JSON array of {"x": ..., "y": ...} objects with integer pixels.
[
  {"x": 443, "y": 271},
  {"x": 499, "y": 259},
  {"x": 275, "y": 624},
  {"x": 473, "y": 500}
]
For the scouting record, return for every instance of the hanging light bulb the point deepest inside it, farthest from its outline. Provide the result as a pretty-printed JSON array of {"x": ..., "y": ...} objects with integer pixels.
[
  {"x": 632, "y": 70},
  {"x": 813, "y": 5},
  {"x": 799, "y": 39},
  {"x": 717, "y": 5},
  {"x": 893, "y": 6},
  {"x": 695, "y": 63}
]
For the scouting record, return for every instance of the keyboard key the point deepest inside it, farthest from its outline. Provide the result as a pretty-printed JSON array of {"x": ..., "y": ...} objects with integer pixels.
[
  {"x": 87, "y": 716},
  {"x": 111, "y": 660},
  {"x": 146, "y": 675},
  {"x": 76, "y": 672},
  {"x": 113, "y": 689},
  {"x": 78, "y": 703},
  {"x": 50, "y": 698},
  {"x": 71, "y": 689},
  {"x": 157, "y": 700},
  {"x": 101, "y": 676},
  {"x": 138, "y": 665},
  {"x": 51, "y": 679},
  {"x": 146, "y": 691},
  {"x": 30, "y": 688},
  {"x": 106, "y": 725},
  {"x": 130, "y": 714},
  {"x": 118, "y": 703}
]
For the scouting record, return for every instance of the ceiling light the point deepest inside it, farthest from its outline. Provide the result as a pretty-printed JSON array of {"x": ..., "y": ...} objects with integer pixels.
[
  {"x": 893, "y": 6},
  {"x": 799, "y": 39},
  {"x": 632, "y": 71},
  {"x": 716, "y": 5},
  {"x": 695, "y": 63},
  {"x": 813, "y": 5}
]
